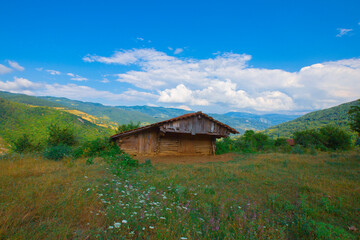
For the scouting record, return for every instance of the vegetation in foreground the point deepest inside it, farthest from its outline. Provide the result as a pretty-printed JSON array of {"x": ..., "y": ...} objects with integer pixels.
[
  {"x": 276, "y": 196},
  {"x": 337, "y": 115},
  {"x": 327, "y": 138}
]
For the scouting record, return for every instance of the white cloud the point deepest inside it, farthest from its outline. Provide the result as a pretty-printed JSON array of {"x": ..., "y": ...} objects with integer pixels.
[
  {"x": 140, "y": 38},
  {"x": 53, "y": 72},
  {"x": 184, "y": 107},
  {"x": 4, "y": 69},
  {"x": 178, "y": 50},
  {"x": 73, "y": 91},
  {"x": 16, "y": 65},
  {"x": 79, "y": 78},
  {"x": 343, "y": 31},
  {"x": 76, "y": 77},
  {"x": 227, "y": 81},
  {"x": 19, "y": 85}
]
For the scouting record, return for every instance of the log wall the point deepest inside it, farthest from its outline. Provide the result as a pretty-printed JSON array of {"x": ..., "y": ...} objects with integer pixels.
[{"x": 156, "y": 143}]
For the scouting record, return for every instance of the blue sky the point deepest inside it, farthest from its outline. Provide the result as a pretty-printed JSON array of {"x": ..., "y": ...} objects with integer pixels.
[{"x": 257, "y": 56}]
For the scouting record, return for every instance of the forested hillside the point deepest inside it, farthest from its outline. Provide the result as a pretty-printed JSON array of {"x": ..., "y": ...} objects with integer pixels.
[
  {"x": 114, "y": 114},
  {"x": 17, "y": 119},
  {"x": 337, "y": 115}
]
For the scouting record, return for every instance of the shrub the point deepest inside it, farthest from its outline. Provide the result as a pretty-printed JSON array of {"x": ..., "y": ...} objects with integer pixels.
[
  {"x": 98, "y": 147},
  {"x": 60, "y": 136},
  {"x": 25, "y": 145},
  {"x": 57, "y": 152},
  {"x": 261, "y": 140},
  {"x": 121, "y": 162},
  {"x": 297, "y": 150},
  {"x": 280, "y": 142},
  {"x": 335, "y": 138},
  {"x": 224, "y": 145},
  {"x": 309, "y": 138},
  {"x": 127, "y": 127}
]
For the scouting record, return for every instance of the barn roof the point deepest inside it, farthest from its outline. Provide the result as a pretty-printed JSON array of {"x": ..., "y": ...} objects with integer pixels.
[{"x": 185, "y": 116}]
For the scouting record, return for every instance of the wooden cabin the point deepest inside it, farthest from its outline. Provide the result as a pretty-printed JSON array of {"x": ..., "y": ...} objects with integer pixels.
[{"x": 189, "y": 134}]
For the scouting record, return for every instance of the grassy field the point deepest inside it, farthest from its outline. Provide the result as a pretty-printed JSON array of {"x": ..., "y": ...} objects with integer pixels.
[{"x": 264, "y": 196}]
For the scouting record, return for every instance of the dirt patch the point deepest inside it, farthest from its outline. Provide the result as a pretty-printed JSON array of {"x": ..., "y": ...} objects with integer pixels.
[
  {"x": 187, "y": 159},
  {"x": 4, "y": 148}
]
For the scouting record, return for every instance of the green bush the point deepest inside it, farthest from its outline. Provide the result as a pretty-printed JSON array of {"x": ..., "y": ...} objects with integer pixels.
[
  {"x": 127, "y": 127},
  {"x": 297, "y": 150},
  {"x": 99, "y": 147},
  {"x": 57, "y": 152},
  {"x": 327, "y": 137},
  {"x": 335, "y": 138},
  {"x": 280, "y": 142},
  {"x": 24, "y": 145},
  {"x": 60, "y": 135},
  {"x": 121, "y": 162},
  {"x": 309, "y": 138}
]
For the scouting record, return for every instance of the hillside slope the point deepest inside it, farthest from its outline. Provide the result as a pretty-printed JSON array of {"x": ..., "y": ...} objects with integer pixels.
[
  {"x": 113, "y": 114},
  {"x": 105, "y": 115},
  {"x": 337, "y": 115},
  {"x": 17, "y": 119}
]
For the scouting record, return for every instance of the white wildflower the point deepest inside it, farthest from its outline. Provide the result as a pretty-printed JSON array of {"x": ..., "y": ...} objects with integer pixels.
[
  {"x": 117, "y": 224},
  {"x": 124, "y": 221}
]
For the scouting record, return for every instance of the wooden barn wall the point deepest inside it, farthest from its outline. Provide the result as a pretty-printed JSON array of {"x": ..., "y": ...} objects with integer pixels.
[
  {"x": 140, "y": 143},
  {"x": 185, "y": 144},
  {"x": 195, "y": 125}
]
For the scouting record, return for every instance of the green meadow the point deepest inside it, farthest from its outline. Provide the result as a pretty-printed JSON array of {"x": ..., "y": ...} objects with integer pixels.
[{"x": 252, "y": 196}]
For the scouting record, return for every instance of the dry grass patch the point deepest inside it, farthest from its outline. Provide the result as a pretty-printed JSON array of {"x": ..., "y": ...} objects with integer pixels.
[{"x": 46, "y": 199}]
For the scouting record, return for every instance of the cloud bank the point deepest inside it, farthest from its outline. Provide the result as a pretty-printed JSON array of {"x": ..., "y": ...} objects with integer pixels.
[
  {"x": 228, "y": 81},
  {"x": 225, "y": 82}
]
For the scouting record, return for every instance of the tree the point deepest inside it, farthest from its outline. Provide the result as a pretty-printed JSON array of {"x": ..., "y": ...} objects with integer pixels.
[
  {"x": 354, "y": 113},
  {"x": 60, "y": 136},
  {"x": 335, "y": 138},
  {"x": 127, "y": 127}
]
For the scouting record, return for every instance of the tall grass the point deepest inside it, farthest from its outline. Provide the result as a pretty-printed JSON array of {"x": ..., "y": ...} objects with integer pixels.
[
  {"x": 263, "y": 196},
  {"x": 43, "y": 199}
]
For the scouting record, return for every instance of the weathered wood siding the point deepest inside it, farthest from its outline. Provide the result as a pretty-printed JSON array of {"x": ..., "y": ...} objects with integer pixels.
[
  {"x": 191, "y": 136},
  {"x": 140, "y": 143},
  {"x": 152, "y": 143},
  {"x": 195, "y": 125}
]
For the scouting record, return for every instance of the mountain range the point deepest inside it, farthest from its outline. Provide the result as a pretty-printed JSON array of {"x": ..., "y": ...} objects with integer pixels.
[
  {"x": 110, "y": 116},
  {"x": 104, "y": 119}
]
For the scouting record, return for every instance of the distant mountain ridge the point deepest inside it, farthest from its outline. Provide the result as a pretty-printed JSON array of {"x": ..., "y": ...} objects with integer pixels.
[
  {"x": 239, "y": 120},
  {"x": 337, "y": 115},
  {"x": 110, "y": 116}
]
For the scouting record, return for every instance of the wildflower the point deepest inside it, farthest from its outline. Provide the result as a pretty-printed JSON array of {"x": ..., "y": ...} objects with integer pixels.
[
  {"x": 111, "y": 227},
  {"x": 183, "y": 238},
  {"x": 162, "y": 218},
  {"x": 124, "y": 221},
  {"x": 151, "y": 227},
  {"x": 132, "y": 233},
  {"x": 117, "y": 225}
]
